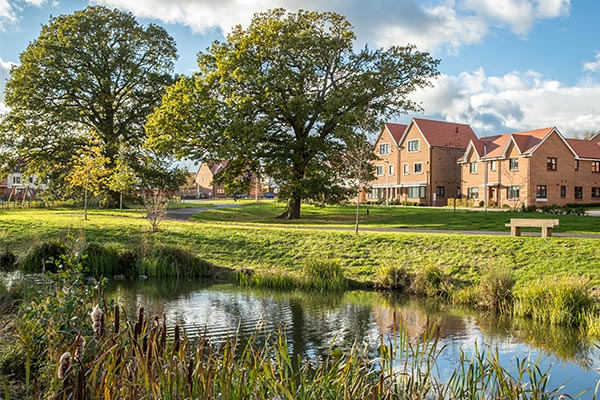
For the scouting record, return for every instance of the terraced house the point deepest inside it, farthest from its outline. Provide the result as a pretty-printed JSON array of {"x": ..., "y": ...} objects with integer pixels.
[
  {"x": 538, "y": 167},
  {"x": 418, "y": 162}
]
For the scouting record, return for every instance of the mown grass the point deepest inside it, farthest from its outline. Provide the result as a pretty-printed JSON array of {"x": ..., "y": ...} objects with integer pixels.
[
  {"x": 237, "y": 247},
  {"x": 389, "y": 217}
]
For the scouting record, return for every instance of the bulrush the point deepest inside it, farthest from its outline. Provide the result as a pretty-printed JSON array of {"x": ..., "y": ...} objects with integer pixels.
[
  {"x": 63, "y": 365},
  {"x": 97, "y": 317},
  {"x": 79, "y": 347}
]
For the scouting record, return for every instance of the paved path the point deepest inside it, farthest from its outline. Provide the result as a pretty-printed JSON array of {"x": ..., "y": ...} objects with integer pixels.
[{"x": 183, "y": 214}]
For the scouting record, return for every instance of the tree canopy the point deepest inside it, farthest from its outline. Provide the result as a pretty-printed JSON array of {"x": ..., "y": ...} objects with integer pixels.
[
  {"x": 286, "y": 95},
  {"x": 94, "y": 70}
]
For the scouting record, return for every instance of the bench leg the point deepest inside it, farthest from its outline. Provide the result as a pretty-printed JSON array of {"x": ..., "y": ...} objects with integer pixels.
[
  {"x": 546, "y": 232},
  {"x": 515, "y": 231}
]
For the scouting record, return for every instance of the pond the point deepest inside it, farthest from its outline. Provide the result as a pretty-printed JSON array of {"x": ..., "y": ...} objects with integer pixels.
[{"x": 315, "y": 322}]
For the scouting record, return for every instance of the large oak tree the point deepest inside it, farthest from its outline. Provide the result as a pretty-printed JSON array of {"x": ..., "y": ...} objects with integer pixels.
[
  {"x": 285, "y": 95},
  {"x": 96, "y": 70}
]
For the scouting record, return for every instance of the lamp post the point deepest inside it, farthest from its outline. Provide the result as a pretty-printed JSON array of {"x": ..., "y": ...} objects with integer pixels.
[
  {"x": 387, "y": 185},
  {"x": 485, "y": 177}
]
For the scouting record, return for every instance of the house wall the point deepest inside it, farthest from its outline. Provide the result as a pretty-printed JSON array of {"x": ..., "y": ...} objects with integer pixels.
[
  {"x": 445, "y": 173},
  {"x": 412, "y": 178},
  {"x": 386, "y": 181},
  {"x": 204, "y": 180}
]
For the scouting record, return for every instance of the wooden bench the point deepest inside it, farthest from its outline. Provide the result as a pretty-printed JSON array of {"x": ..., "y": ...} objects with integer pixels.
[{"x": 546, "y": 224}]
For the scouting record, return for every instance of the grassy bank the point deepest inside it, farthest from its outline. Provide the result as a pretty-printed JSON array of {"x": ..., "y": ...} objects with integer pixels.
[{"x": 237, "y": 247}]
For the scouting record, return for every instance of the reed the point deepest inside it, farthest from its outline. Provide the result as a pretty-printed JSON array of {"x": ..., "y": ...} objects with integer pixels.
[
  {"x": 101, "y": 260},
  {"x": 323, "y": 275},
  {"x": 172, "y": 262},
  {"x": 44, "y": 256},
  {"x": 394, "y": 277},
  {"x": 564, "y": 301}
]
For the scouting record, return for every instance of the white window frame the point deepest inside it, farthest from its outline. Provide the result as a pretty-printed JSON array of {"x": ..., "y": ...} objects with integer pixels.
[
  {"x": 406, "y": 168},
  {"x": 510, "y": 163},
  {"x": 415, "y": 168},
  {"x": 385, "y": 147},
  {"x": 391, "y": 169},
  {"x": 493, "y": 165},
  {"x": 473, "y": 167},
  {"x": 413, "y": 146},
  {"x": 379, "y": 170}
]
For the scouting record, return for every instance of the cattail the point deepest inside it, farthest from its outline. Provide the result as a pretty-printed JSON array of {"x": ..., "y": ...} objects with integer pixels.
[
  {"x": 63, "y": 365},
  {"x": 97, "y": 317},
  {"x": 176, "y": 340},
  {"x": 79, "y": 347},
  {"x": 140, "y": 323},
  {"x": 117, "y": 318}
]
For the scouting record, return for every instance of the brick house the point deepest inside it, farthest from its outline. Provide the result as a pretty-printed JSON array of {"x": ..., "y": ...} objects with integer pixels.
[
  {"x": 204, "y": 180},
  {"x": 538, "y": 167},
  {"x": 421, "y": 163},
  {"x": 17, "y": 186}
]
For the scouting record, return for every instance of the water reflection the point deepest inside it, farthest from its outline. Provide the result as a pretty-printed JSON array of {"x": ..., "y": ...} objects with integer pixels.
[{"x": 314, "y": 322}]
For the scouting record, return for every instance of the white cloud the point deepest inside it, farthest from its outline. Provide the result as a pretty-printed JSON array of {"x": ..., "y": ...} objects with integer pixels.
[
  {"x": 5, "y": 67},
  {"x": 520, "y": 15},
  {"x": 7, "y": 14},
  {"x": 440, "y": 23},
  {"x": 592, "y": 66},
  {"x": 514, "y": 102}
]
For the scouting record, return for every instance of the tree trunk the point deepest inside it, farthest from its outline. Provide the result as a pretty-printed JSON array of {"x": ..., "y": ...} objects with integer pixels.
[
  {"x": 85, "y": 196},
  {"x": 294, "y": 208}
]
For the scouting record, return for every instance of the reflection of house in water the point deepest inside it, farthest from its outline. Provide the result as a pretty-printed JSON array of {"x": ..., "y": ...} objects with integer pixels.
[{"x": 414, "y": 317}]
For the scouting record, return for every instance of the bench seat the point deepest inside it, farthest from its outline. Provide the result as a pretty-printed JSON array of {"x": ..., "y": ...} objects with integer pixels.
[{"x": 547, "y": 225}]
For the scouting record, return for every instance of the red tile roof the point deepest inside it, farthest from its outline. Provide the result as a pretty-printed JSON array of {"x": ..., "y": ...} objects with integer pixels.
[
  {"x": 396, "y": 130},
  {"x": 585, "y": 148},
  {"x": 445, "y": 134},
  {"x": 216, "y": 167},
  {"x": 527, "y": 140}
]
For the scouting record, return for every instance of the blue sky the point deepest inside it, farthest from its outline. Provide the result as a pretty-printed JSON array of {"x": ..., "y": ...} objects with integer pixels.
[{"x": 507, "y": 65}]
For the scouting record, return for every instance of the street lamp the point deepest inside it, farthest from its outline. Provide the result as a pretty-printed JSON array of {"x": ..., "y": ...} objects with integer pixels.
[
  {"x": 485, "y": 177},
  {"x": 387, "y": 185}
]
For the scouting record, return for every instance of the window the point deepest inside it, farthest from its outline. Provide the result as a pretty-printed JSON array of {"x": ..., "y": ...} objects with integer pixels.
[
  {"x": 473, "y": 167},
  {"x": 31, "y": 179},
  {"x": 578, "y": 192},
  {"x": 440, "y": 191},
  {"x": 596, "y": 193},
  {"x": 541, "y": 192},
  {"x": 379, "y": 170},
  {"x": 405, "y": 169},
  {"x": 563, "y": 191},
  {"x": 16, "y": 179},
  {"x": 418, "y": 168},
  {"x": 391, "y": 169},
  {"x": 514, "y": 164},
  {"x": 513, "y": 192},
  {"x": 413, "y": 145},
  {"x": 551, "y": 164},
  {"x": 493, "y": 165},
  {"x": 473, "y": 193},
  {"x": 595, "y": 166},
  {"x": 416, "y": 192},
  {"x": 384, "y": 148},
  {"x": 576, "y": 165}
]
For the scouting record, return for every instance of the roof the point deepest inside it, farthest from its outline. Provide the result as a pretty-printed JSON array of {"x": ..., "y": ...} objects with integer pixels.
[
  {"x": 526, "y": 141},
  {"x": 585, "y": 148},
  {"x": 216, "y": 167},
  {"x": 445, "y": 134},
  {"x": 396, "y": 130}
]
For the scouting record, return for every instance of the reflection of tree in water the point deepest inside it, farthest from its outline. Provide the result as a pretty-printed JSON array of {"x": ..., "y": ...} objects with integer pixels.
[{"x": 566, "y": 344}]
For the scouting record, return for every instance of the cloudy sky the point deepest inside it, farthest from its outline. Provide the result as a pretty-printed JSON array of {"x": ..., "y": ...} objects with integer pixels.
[{"x": 507, "y": 65}]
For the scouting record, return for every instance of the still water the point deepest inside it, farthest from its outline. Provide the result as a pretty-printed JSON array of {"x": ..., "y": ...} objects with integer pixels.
[{"x": 315, "y": 322}]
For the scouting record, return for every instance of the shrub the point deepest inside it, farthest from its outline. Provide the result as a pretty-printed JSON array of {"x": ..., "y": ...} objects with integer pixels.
[
  {"x": 495, "y": 289},
  {"x": 101, "y": 260},
  {"x": 45, "y": 256},
  {"x": 432, "y": 281},
  {"x": 7, "y": 261},
  {"x": 268, "y": 279},
  {"x": 172, "y": 262},
  {"x": 393, "y": 277},
  {"x": 564, "y": 301},
  {"x": 323, "y": 275}
]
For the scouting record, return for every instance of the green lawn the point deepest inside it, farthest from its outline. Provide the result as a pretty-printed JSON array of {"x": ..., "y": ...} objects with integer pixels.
[
  {"x": 265, "y": 213},
  {"x": 234, "y": 246}
]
